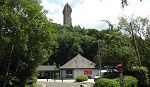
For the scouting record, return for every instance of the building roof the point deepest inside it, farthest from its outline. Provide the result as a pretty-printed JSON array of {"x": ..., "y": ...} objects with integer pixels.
[
  {"x": 46, "y": 68},
  {"x": 78, "y": 62},
  {"x": 67, "y": 7}
]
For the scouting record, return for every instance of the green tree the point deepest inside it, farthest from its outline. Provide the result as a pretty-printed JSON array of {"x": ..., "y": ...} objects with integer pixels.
[
  {"x": 70, "y": 42},
  {"x": 114, "y": 47},
  {"x": 27, "y": 39},
  {"x": 138, "y": 29}
]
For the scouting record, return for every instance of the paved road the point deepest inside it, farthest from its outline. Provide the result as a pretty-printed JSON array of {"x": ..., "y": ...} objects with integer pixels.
[
  {"x": 64, "y": 84},
  {"x": 60, "y": 84}
]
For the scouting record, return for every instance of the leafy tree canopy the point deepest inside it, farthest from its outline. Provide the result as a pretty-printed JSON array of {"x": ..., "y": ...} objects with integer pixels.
[{"x": 27, "y": 39}]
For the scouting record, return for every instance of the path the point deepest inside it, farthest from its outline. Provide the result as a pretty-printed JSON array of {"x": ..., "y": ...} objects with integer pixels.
[{"x": 65, "y": 83}]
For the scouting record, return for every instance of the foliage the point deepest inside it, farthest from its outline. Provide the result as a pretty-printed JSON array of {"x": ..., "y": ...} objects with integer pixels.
[
  {"x": 81, "y": 78},
  {"x": 27, "y": 39},
  {"x": 114, "y": 47},
  {"x": 141, "y": 73},
  {"x": 104, "y": 82},
  {"x": 111, "y": 75},
  {"x": 138, "y": 29},
  {"x": 129, "y": 81},
  {"x": 70, "y": 42}
]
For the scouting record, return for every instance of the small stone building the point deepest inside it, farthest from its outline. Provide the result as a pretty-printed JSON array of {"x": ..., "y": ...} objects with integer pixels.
[
  {"x": 77, "y": 66},
  {"x": 46, "y": 71}
]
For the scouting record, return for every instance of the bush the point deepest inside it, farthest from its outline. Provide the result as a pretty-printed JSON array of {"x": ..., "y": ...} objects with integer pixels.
[
  {"x": 81, "y": 78},
  {"x": 31, "y": 82},
  {"x": 129, "y": 81},
  {"x": 111, "y": 75},
  {"x": 104, "y": 82},
  {"x": 141, "y": 73}
]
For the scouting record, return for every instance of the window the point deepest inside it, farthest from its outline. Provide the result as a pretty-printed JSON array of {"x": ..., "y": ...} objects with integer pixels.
[
  {"x": 69, "y": 74},
  {"x": 42, "y": 74},
  {"x": 68, "y": 15}
]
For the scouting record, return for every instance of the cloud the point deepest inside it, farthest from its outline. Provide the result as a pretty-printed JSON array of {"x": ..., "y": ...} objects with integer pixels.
[
  {"x": 67, "y": 1},
  {"x": 89, "y": 13},
  {"x": 54, "y": 10}
]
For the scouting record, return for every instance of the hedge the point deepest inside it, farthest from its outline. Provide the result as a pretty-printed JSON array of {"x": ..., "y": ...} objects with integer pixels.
[
  {"x": 104, "y": 82},
  {"x": 141, "y": 73},
  {"x": 111, "y": 75},
  {"x": 81, "y": 78},
  {"x": 129, "y": 81}
]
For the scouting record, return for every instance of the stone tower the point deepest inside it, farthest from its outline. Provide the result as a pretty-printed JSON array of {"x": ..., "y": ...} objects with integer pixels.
[{"x": 67, "y": 20}]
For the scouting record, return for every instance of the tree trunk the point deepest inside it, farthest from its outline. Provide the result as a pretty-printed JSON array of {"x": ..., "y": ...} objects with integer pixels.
[
  {"x": 8, "y": 65},
  {"x": 135, "y": 44}
]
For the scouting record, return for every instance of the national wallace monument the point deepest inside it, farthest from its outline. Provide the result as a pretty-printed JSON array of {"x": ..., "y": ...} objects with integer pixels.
[{"x": 67, "y": 20}]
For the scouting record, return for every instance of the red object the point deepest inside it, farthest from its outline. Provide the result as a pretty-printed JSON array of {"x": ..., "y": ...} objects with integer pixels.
[
  {"x": 119, "y": 66},
  {"x": 88, "y": 72}
]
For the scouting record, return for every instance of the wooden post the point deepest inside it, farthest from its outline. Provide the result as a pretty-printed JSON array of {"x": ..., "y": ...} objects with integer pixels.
[{"x": 61, "y": 76}]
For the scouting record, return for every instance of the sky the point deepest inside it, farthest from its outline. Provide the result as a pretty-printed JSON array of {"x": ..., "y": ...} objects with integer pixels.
[{"x": 90, "y": 13}]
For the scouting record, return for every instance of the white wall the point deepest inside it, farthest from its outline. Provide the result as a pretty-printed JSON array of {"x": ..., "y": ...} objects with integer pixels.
[
  {"x": 78, "y": 72},
  {"x": 63, "y": 73},
  {"x": 94, "y": 73}
]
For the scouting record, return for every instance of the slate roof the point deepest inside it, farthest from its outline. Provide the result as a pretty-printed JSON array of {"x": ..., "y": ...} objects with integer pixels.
[
  {"x": 78, "y": 62},
  {"x": 46, "y": 68}
]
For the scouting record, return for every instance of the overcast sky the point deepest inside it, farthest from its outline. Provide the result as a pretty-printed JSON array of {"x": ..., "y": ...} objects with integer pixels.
[{"x": 89, "y": 13}]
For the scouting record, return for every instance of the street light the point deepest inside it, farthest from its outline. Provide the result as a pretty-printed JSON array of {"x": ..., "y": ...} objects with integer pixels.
[
  {"x": 99, "y": 57},
  {"x": 54, "y": 64}
]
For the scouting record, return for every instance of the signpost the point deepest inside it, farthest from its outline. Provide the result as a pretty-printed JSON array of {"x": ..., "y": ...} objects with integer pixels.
[{"x": 120, "y": 69}]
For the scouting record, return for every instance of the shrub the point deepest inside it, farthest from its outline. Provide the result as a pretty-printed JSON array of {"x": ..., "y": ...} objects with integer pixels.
[
  {"x": 95, "y": 79},
  {"x": 81, "y": 78},
  {"x": 129, "y": 81},
  {"x": 141, "y": 73},
  {"x": 31, "y": 82},
  {"x": 111, "y": 75},
  {"x": 104, "y": 82}
]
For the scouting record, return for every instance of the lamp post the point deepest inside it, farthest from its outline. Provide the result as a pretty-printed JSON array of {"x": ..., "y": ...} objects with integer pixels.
[
  {"x": 99, "y": 57},
  {"x": 54, "y": 64},
  {"x": 77, "y": 67}
]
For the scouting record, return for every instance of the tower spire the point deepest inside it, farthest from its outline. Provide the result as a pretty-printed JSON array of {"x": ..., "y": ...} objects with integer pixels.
[{"x": 67, "y": 20}]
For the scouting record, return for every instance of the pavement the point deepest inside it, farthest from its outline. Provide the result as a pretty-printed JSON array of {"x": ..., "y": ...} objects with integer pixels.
[
  {"x": 66, "y": 80},
  {"x": 65, "y": 83}
]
